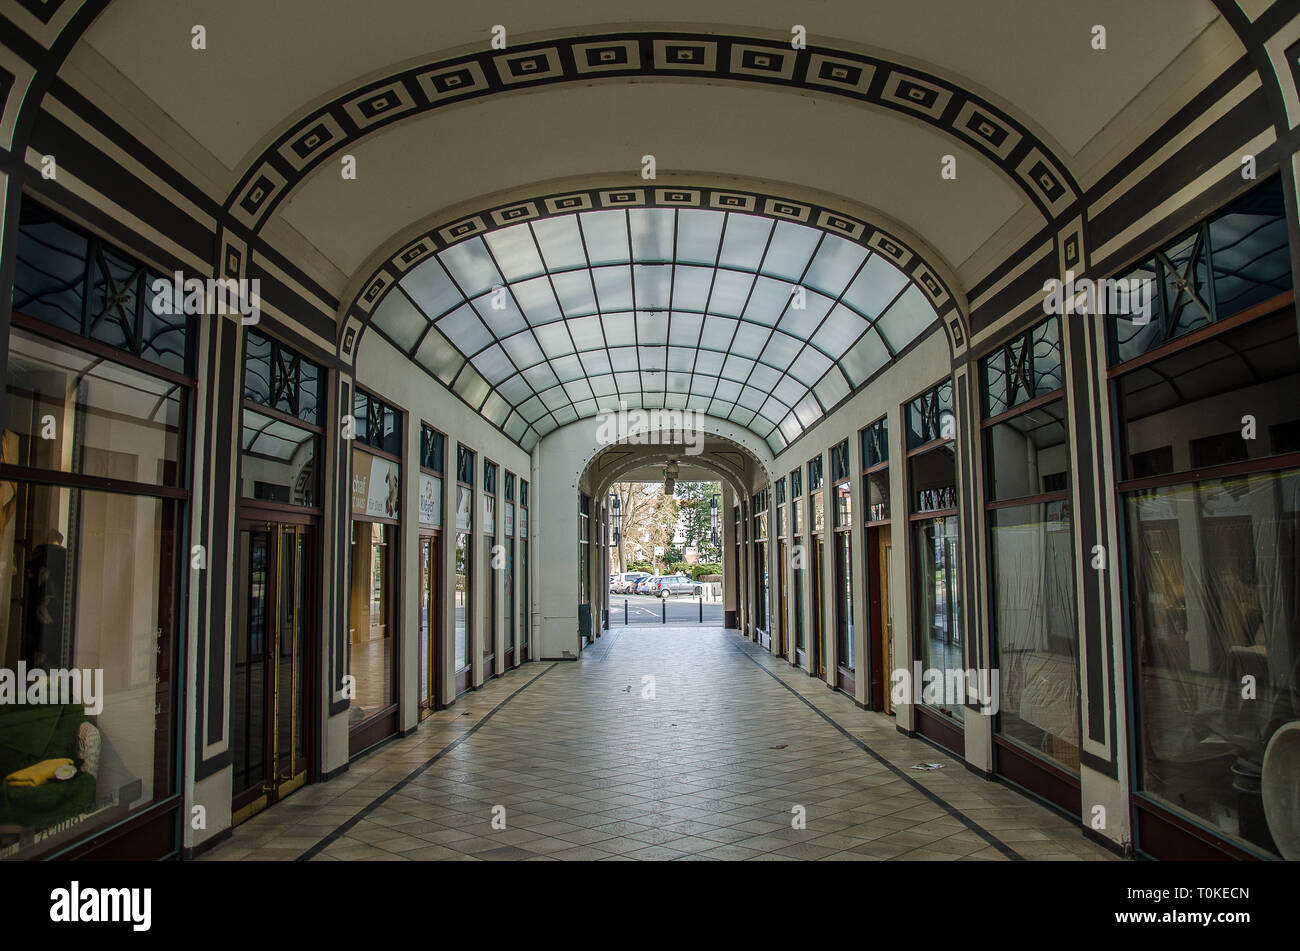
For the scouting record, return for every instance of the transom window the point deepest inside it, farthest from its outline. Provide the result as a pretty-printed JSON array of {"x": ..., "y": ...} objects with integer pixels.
[{"x": 766, "y": 323}]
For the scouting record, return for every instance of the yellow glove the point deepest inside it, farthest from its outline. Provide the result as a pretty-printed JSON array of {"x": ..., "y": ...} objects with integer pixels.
[{"x": 37, "y": 774}]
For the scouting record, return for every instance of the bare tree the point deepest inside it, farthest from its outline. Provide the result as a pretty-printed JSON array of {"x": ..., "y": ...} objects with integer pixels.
[{"x": 647, "y": 516}]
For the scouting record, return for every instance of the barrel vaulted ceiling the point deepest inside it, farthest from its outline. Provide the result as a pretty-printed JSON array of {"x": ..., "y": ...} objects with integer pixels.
[{"x": 661, "y": 302}]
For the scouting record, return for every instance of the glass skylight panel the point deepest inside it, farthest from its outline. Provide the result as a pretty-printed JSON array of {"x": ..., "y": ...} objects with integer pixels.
[
  {"x": 554, "y": 339},
  {"x": 624, "y": 359},
  {"x": 543, "y": 426},
  {"x": 727, "y": 390},
  {"x": 752, "y": 398},
  {"x": 567, "y": 368},
  {"x": 578, "y": 390},
  {"x": 741, "y": 416},
  {"x": 864, "y": 358},
  {"x": 678, "y": 382},
  {"x": 595, "y": 362},
  {"x": 605, "y": 234},
  {"x": 834, "y": 265},
  {"x": 903, "y": 322},
  {"x": 717, "y": 332},
  {"x": 431, "y": 288},
  {"x": 744, "y": 241},
  {"x": 555, "y": 397},
  {"x": 463, "y": 328},
  {"x": 472, "y": 387},
  {"x": 493, "y": 364},
  {"x": 577, "y": 296},
  {"x": 831, "y": 388},
  {"x": 400, "y": 319},
  {"x": 652, "y": 234},
  {"x": 704, "y": 385},
  {"x": 699, "y": 234},
  {"x": 809, "y": 366},
  {"x": 681, "y": 358},
  {"x": 709, "y": 362},
  {"x": 538, "y": 303},
  {"x": 790, "y": 428},
  {"x": 773, "y": 410},
  {"x": 684, "y": 329},
  {"x": 674, "y": 400},
  {"x": 561, "y": 242},
  {"x": 586, "y": 333},
  {"x": 791, "y": 249},
  {"x": 776, "y": 442},
  {"x": 438, "y": 356},
  {"x": 764, "y": 377},
  {"x": 523, "y": 349},
  {"x": 789, "y": 391},
  {"x": 515, "y": 389},
  {"x": 495, "y": 409},
  {"x": 737, "y": 368},
  {"x": 653, "y": 286},
  {"x": 691, "y": 286},
  {"x": 613, "y": 288},
  {"x": 721, "y": 408},
  {"x": 651, "y": 329},
  {"x": 529, "y": 440},
  {"x": 838, "y": 331},
  {"x": 586, "y": 408},
  {"x": 653, "y": 358},
  {"x": 501, "y": 314},
  {"x": 565, "y": 414},
  {"x": 750, "y": 340},
  {"x": 801, "y": 322},
  {"x": 515, "y": 252},
  {"x": 471, "y": 266},
  {"x": 876, "y": 285},
  {"x": 515, "y": 426},
  {"x": 629, "y": 384},
  {"x": 730, "y": 292},
  {"x": 620, "y": 330},
  {"x": 807, "y": 411},
  {"x": 781, "y": 350},
  {"x": 603, "y": 385},
  {"x": 768, "y": 300},
  {"x": 540, "y": 377}
]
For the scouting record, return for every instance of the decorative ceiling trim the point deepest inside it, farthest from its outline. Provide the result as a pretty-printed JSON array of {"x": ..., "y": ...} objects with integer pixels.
[{"x": 1028, "y": 162}]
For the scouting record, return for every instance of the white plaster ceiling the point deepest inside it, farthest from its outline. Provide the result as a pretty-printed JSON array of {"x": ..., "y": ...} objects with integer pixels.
[
  {"x": 265, "y": 62},
  {"x": 413, "y": 169}
]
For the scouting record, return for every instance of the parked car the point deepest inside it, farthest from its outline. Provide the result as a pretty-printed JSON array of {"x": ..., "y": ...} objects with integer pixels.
[
  {"x": 668, "y": 585},
  {"x": 643, "y": 586},
  {"x": 626, "y": 582}
]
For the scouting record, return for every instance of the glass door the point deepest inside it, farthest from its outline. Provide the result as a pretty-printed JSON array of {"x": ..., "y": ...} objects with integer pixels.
[
  {"x": 430, "y": 624},
  {"x": 268, "y": 722}
]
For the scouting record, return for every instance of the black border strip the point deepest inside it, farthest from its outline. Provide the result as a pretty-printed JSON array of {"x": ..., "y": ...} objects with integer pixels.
[
  {"x": 935, "y": 798},
  {"x": 342, "y": 830}
]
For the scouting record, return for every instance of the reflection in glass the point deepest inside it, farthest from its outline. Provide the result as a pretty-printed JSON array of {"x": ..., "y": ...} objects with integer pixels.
[
  {"x": 373, "y": 633},
  {"x": 938, "y": 598},
  {"x": 1213, "y": 573}
]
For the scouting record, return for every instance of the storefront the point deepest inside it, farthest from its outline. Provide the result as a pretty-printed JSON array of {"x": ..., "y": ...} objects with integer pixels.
[
  {"x": 276, "y": 633},
  {"x": 433, "y": 452},
  {"x": 508, "y": 580},
  {"x": 936, "y": 565},
  {"x": 798, "y": 561},
  {"x": 94, "y": 499},
  {"x": 1031, "y": 565},
  {"x": 374, "y": 615},
  {"x": 762, "y": 589},
  {"x": 842, "y": 535},
  {"x": 816, "y": 563},
  {"x": 525, "y": 651},
  {"x": 878, "y": 546},
  {"x": 464, "y": 562},
  {"x": 1208, "y": 484},
  {"x": 492, "y": 568}
]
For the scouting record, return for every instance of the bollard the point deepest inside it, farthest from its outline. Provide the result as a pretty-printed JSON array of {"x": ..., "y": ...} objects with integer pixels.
[
  {"x": 663, "y": 603},
  {"x": 701, "y": 600},
  {"x": 625, "y": 610}
]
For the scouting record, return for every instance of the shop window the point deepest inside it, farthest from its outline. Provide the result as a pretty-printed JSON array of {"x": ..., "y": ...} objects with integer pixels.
[
  {"x": 279, "y": 461},
  {"x": 376, "y": 424},
  {"x": 90, "y": 582},
  {"x": 433, "y": 448},
  {"x": 1235, "y": 260}
]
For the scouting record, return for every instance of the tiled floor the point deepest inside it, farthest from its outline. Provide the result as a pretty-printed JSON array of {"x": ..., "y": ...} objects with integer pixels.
[{"x": 581, "y": 765}]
